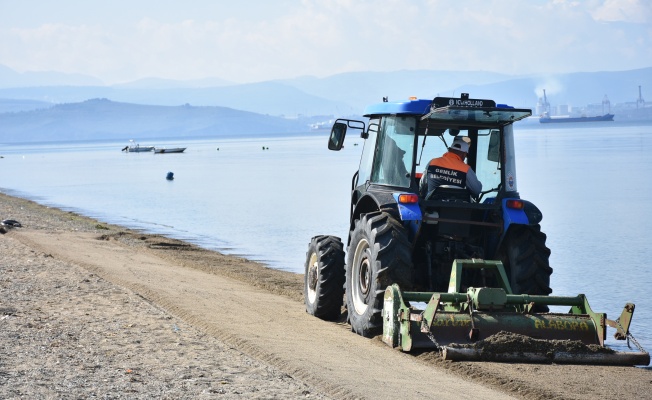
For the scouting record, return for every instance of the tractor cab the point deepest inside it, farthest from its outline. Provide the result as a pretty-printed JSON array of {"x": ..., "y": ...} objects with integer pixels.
[{"x": 403, "y": 137}]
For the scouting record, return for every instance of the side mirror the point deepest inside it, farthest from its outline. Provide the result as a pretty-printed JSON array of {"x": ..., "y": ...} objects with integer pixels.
[
  {"x": 336, "y": 140},
  {"x": 493, "y": 152}
]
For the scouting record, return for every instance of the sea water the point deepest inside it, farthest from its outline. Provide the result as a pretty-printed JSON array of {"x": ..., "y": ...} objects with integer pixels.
[
  {"x": 259, "y": 198},
  {"x": 264, "y": 198}
]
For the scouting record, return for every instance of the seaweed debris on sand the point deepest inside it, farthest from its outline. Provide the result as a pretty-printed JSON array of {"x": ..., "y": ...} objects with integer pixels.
[
  {"x": 508, "y": 342},
  {"x": 516, "y": 348}
]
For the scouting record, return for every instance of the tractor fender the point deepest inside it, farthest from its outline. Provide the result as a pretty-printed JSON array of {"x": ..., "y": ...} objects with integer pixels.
[
  {"x": 512, "y": 215},
  {"x": 410, "y": 214},
  {"x": 528, "y": 214},
  {"x": 407, "y": 212},
  {"x": 371, "y": 202}
]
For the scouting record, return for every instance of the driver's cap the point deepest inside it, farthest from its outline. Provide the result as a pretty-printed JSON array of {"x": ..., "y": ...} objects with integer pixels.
[{"x": 459, "y": 144}]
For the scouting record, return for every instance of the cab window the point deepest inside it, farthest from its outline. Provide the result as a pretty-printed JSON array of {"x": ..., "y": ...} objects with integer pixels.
[
  {"x": 394, "y": 153},
  {"x": 485, "y": 152},
  {"x": 487, "y": 163}
]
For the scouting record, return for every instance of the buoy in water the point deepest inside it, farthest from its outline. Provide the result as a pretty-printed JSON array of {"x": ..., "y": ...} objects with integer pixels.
[{"x": 170, "y": 176}]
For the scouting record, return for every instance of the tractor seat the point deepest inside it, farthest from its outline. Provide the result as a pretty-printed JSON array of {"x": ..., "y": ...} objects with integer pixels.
[{"x": 450, "y": 193}]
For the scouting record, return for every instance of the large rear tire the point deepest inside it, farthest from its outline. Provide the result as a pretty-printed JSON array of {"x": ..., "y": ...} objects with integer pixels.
[
  {"x": 526, "y": 260},
  {"x": 379, "y": 255},
  {"x": 324, "y": 277}
]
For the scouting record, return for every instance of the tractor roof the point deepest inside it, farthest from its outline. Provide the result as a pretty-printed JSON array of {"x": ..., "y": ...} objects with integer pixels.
[
  {"x": 461, "y": 110},
  {"x": 417, "y": 107}
]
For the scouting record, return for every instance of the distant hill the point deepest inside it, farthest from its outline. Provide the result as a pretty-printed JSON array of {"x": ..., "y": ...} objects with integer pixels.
[
  {"x": 104, "y": 119},
  {"x": 157, "y": 83},
  {"x": 16, "y": 105},
  {"x": 10, "y": 78},
  {"x": 359, "y": 89},
  {"x": 272, "y": 98},
  {"x": 342, "y": 94},
  {"x": 154, "y": 106}
]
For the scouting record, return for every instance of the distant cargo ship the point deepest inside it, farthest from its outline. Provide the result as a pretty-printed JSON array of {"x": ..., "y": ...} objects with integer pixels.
[{"x": 545, "y": 119}]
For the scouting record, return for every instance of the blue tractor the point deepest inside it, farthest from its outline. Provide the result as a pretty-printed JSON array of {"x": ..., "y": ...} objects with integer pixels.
[{"x": 401, "y": 234}]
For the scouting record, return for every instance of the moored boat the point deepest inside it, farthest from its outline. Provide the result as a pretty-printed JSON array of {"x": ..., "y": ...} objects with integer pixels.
[
  {"x": 161, "y": 150},
  {"x": 137, "y": 148}
]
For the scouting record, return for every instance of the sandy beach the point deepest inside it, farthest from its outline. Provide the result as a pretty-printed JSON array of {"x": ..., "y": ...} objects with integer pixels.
[{"x": 91, "y": 310}]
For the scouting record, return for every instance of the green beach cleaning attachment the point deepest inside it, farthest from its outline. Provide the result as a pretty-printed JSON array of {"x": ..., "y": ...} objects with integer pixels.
[{"x": 492, "y": 324}]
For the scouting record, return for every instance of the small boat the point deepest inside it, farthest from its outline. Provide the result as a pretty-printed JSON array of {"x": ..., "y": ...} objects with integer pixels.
[
  {"x": 161, "y": 150},
  {"x": 136, "y": 148}
]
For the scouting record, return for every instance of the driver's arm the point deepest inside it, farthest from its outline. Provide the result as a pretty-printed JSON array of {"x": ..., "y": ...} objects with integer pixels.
[
  {"x": 423, "y": 183},
  {"x": 472, "y": 183}
]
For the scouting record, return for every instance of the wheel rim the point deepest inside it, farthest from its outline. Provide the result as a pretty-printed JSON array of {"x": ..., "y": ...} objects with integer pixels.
[
  {"x": 312, "y": 276},
  {"x": 361, "y": 277}
]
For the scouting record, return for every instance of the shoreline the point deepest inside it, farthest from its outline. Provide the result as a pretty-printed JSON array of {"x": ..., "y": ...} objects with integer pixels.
[
  {"x": 88, "y": 309},
  {"x": 30, "y": 213},
  {"x": 66, "y": 332},
  {"x": 145, "y": 231}
]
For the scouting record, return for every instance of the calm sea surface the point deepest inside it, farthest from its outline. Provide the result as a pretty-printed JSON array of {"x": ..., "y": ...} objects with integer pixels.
[{"x": 591, "y": 182}]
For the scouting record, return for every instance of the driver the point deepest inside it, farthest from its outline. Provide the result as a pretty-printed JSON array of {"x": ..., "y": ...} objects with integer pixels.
[{"x": 450, "y": 170}]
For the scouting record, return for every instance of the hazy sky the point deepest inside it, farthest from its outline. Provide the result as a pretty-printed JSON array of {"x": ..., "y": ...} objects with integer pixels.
[{"x": 255, "y": 40}]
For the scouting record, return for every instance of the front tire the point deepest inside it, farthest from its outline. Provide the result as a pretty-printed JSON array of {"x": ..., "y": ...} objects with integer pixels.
[
  {"x": 379, "y": 255},
  {"x": 526, "y": 259},
  {"x": 324, "y": 277}
]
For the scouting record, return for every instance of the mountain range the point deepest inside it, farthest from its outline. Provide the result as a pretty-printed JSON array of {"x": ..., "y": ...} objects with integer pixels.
[
  {"x": 104, "y": 119},
  {"x": 35, "y": 103}
]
